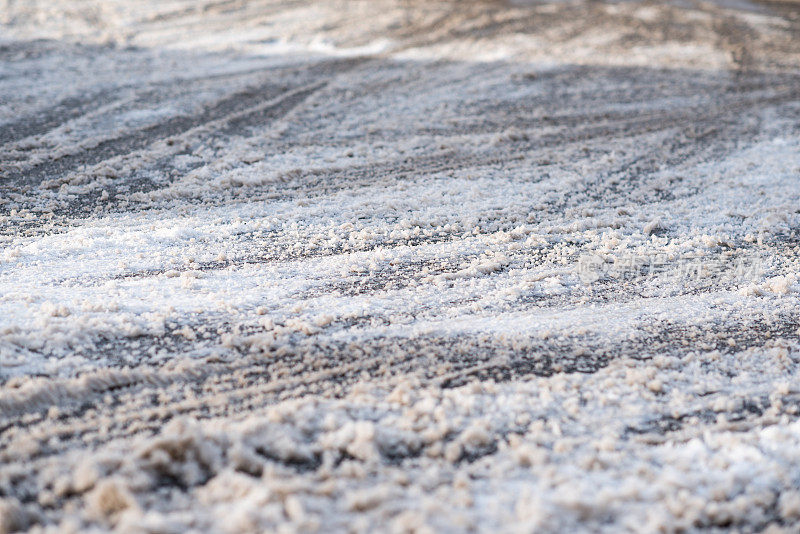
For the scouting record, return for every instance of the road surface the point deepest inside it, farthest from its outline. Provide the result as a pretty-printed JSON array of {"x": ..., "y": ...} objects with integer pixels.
[{"x": 402, "y": 266}]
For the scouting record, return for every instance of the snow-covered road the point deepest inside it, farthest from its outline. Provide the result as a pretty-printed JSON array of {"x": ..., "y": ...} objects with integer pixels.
[{"x": 410, "y": 266}]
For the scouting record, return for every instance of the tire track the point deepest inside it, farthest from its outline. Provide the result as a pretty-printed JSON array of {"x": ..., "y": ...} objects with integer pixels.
[
  {"x": 140, "y": 139},
  {"x": 265, "y": 102},
  {"x": 47, "y": 119}
]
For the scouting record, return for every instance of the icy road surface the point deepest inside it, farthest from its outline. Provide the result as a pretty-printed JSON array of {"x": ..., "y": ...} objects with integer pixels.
[{"x": 399, "y": 266}]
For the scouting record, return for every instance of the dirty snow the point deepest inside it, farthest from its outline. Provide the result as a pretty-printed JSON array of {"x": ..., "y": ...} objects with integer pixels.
[{"x": 473, "y": 265}]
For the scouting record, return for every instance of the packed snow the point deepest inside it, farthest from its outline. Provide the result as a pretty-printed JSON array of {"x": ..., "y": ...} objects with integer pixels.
[{"x": 399, "y": 266}]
